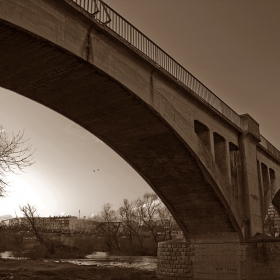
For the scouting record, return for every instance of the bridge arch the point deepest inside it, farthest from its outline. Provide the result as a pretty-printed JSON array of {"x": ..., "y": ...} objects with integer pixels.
[{"x": 126, "y": 106}]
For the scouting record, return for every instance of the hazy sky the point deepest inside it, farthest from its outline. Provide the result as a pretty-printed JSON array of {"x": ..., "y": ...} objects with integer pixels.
[{"x": 233, "y": 47}]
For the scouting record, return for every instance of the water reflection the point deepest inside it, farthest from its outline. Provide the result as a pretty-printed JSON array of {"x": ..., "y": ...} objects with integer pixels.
[
  {"x": 104, "y": 259},
  {"x": 6, "y": 255},
  {"x": 9, "y": 255}
]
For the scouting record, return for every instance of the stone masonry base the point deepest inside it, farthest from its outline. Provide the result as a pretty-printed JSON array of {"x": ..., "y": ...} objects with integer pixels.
[
  {"x": 220, "y": 257},
  {"x": 175, "y": 259}
]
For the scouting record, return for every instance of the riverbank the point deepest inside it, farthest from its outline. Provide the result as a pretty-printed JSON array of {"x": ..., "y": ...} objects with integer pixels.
[{"x": 43, "y": 270}]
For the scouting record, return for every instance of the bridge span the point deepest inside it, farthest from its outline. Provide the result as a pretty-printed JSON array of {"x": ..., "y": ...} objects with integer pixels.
[{"x": 211, "y": 167}]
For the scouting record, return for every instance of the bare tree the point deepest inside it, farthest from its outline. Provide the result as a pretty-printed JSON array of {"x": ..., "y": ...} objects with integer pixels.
[
  {"x": 32, "y": 222},
  {"x": 15, "y": 155},
  {"x": 167, "y": 221},
  {"x": 131, "y": 223},
  {"x": 271, "y": 225},
  {"x": 110, "y": 227},
  {"x": 147, "y": 208}
]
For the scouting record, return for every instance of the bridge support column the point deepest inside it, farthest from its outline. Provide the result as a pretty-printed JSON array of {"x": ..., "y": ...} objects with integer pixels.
[
  {"x": 252, "y": 198},
  {"x": 219, "y": 257},
  {"x": 204, "y": 257}
]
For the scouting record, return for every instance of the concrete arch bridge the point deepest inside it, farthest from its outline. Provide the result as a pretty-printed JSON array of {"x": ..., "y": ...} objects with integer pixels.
[{"x": 210, "y": 166}]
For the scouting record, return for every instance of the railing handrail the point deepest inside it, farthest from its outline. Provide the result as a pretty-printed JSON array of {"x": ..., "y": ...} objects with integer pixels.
[
  {"x": 268, "y": 146},
  {"x": 115, "y": 22},
  {"x": 109, "y": 18}
]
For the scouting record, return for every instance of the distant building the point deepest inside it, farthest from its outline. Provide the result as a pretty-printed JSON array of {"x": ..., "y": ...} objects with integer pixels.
[
  {"x": 5, "y": 217},
  {"x": 52, "y": 224}
]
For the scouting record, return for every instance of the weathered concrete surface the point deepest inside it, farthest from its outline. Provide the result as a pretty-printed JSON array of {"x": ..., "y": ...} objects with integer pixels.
[
  {"x": 77, "y": 90},
  {"x": 219, "y": 257},
  {"x": 57, "y": 55}
]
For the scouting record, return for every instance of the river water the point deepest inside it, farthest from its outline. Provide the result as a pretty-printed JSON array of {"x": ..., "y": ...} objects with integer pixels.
[
  {"x": 104, "y": 259},
  {"x": 6, "y": 255}
]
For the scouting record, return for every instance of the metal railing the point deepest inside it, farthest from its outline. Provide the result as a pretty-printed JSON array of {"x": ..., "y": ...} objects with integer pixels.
[
  {"x": 115, "y": 22},
  {"x": 109, "y": 18},
  {"x": 268, "y": 146}
]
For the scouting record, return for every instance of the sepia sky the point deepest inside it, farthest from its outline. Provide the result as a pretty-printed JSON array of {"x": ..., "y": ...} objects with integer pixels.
[{"x": 233, "y": 47}]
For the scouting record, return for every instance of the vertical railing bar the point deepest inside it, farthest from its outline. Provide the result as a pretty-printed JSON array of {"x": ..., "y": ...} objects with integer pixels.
[
  {"x": 124, "y": 30},
  {"x": 103, "y": 14},
  {"x": 169, "y": 65},
  {"x": 132, "y": 35},
  {"x": 118, "y": 24},
  {"x": 140, "y": 42},
  {"x": 122, "y": 27}
]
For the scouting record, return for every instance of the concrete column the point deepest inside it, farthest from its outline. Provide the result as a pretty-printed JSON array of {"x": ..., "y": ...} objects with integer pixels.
[
  {"x": 228, "y": 159},
  {"x": 212, "y": 143},
  {"x": 201, "y": 257},
  {"x": 219, "y": 257},
  {"x": 248, "y": 141},
  {"x": 272, "y": 178},
  {"x": 261, "y": 189},
  {"x": 267, "y": 187},
  {"x": 234, "y": 164}
]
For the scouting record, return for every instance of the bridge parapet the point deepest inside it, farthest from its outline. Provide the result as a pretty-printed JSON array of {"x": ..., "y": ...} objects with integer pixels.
[
  {"x": 110, "y": 19},
  {"x": 269, "y": 147}
]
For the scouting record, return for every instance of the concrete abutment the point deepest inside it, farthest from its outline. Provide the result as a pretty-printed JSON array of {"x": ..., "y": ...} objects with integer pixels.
[{"x": 219, "y": 257}]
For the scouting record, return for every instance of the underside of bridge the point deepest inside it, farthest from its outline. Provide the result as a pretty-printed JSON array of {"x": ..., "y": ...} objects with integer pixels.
[{"x": 72, "y": 87}]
